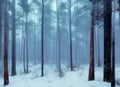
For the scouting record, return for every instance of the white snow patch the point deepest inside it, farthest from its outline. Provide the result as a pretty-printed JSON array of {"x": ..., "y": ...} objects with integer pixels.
[{"x": 78, "y": 78}]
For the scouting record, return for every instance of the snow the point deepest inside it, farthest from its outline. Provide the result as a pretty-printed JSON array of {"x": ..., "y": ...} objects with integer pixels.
[{"x": 77, "y": 78}]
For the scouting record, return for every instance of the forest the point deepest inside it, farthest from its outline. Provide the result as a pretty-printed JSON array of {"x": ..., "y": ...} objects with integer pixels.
[{"x": 59, "y": 43}]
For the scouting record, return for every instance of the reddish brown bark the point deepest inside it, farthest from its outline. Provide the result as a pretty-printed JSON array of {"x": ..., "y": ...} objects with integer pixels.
[
  {"x": 6, "y": 75},
  {"x": 91, "y": 68}
]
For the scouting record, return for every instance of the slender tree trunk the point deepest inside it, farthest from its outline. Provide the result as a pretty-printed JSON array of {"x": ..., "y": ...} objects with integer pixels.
[
  {"x": 13, "y": 40},
  {"x": 71, "y": 59},
  {"x": 24, "y": 61},
  {"x": 0, "y": 30},
  {"x": 119, "y": 12},
  {"x": 42, "y": 40},
  {"x": 26, "y": 31},
  {"x": 107, "y": 39},
  {"x": 91, "y": 68},
  {"x": 58, "y": 40},
  {"x": 34, "y": 40},
  {"x": 6, "y": 74}
]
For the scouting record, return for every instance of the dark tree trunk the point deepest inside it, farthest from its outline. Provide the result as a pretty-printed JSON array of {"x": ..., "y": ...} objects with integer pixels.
[
  {"x": 107, "y": 40},
  {"x": 6, "y": 75},
  {"x": 42, "y": 40},
  {"x": 91, "y": 68},
  {"x": 13, "y": 39},
  {"x": 71, "y": 59},
  {"x": 113, "y": 52},
  {"x": 113, "y": 62}
]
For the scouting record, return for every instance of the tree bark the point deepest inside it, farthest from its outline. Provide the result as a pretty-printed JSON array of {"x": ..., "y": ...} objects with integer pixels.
[
  {"x": 113, "y": 51},
  {"x": 107, "y": 39},
  {"x": 26, "y": 32},
  {"x": 6, "y": 74},
  {"x": 13, "y": 39},
  {"x": 71, "y": 56},
  {"x": 42, "y": 40},
  {"x": 0, "y": 30},
  {"x": 34, "y": 40},
  {"x": 91, "y": 68}
]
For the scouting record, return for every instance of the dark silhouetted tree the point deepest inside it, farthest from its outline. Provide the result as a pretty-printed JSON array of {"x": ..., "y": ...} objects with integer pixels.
[
  {"x": 6, "y": 74},
  {"x": 107, "y": 39},
  {"x": 42, "y": 40}
]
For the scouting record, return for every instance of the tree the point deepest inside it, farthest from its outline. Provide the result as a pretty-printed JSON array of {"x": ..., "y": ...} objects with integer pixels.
[
  {"x": 107, "y": 39},
  {"x": 71, "y": 58},
  {"x": 58, "y": 39},
  {"x": 25, "y": 6},
  {"x": 0, "y": 30},
  {"x": 6, "y": 74},
  {"x": 113, "y": 60},
  {"x": 113, "y": 51},
  {"x": 91, "y": 67},
  {"x": 42, "y": 40},
  {"x": 13, "y": 39},
  {"x": 98, "y": 43},
  {"x": 34, "y": 39}
]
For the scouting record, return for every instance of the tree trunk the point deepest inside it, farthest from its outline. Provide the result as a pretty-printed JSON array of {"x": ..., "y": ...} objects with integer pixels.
[
  {"x": 26, "y": 32},
  {"x": 6, "y": 74},
  {"x": 113, "y": 51},
  {"x": 59, "y": 41},
  {"x": 98, "y": 47},
  {"x": 34, "y": 40},
  {"x": 42, "y": 40},
  {"x": 71, "y": 59},
  {"x": 107, "y": 40},
  {"x": 24, "y": 61},
  {"x": 91, "y": 68},
  {"x": 113, "y": 61},
  {"x": 0, "y": 30},
  {"x": 13, "y": 40}
]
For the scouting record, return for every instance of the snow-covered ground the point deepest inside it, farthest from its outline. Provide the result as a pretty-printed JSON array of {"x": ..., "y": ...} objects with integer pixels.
[{"x": 77, "y": 78}]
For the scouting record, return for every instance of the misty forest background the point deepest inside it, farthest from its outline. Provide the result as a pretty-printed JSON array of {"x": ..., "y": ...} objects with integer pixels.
[{"x": 59, "y": 32}]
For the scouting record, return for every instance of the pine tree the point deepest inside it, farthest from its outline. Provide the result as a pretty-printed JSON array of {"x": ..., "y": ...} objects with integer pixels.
[
  {"x": 107, "y": 40},
  {"x": 91, "y": 68},
  {"x": 13, "y": 39},
  {"x": 42, "y": 40},
  {"x": 71, "y": 57},
  {"x": 6, "y": 74},
  {"x": 0, "y": 30},
  {"x": 113, "y": 52},
  {"x": 25, "y": 6}
]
